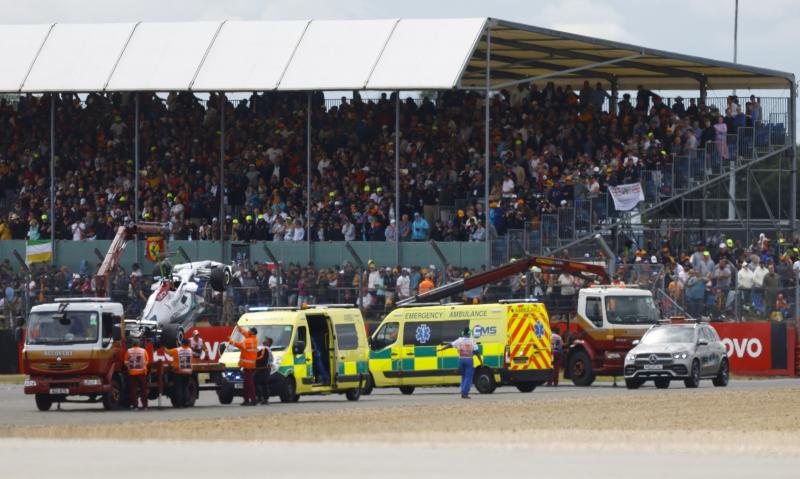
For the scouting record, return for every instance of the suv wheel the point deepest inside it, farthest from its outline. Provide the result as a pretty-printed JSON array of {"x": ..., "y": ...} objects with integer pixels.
[
  {"x": 633, "y": 383},
  {"x": 694, "y": 376},
  {"x": 721, "y": 380}
]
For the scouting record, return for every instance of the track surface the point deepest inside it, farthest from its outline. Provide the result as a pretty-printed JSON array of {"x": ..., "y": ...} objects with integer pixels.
[{"x": 17, "y": 409}]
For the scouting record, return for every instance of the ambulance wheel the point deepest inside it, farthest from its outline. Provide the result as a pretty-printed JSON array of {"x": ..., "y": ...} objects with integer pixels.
[
  {"x": 633, "y": 383},
  {"x": 580, "y": 368},
  {"x": 369, "y": 385},
  {"x": 527, "y": 387},
  {"x": 289, "y": 393},
  {"x": 190, "y": 394},
  {"x": 353, "y": 394},
  {"x": 662, "y": 383},
  {"x": 484, "y": 381},
  {"x": 43, "y": 402},
  {"x": 172, "y": 335},
  {"x": 721, "y": 380},
  {"x": 407, "y": 390},
  {"x": 113, "y": 398}
]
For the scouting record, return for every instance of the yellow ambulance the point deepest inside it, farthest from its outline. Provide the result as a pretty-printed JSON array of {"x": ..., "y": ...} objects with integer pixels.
[
  {"x": 514, "y": 339},
  {"x": 317, "y": 350}
]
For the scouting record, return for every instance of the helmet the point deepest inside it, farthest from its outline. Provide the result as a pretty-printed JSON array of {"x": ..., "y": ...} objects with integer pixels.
[
  {"x": 236, "y": 221},
  {"x": 44, "y": 217},
  {"x": 367, "y": 188},
  {"x": 249, "y": 218},
  {"x": 253, "y": 331}
]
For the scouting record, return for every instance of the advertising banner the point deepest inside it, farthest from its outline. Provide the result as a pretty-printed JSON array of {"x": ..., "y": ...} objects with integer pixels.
[
  {"x": 758, "y": 348},
  {"x": 626, "y": 197}
]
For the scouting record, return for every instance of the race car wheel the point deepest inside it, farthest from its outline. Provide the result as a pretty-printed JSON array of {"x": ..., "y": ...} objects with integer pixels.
[
  {"x": 172, "y": 335},
  {"x": 580, "y": 367},
  {"x": 662, "y": 383},
  {"x": 693, "y": 380},
  {"x": 407, "y": 390},
  {"x": 723, "y": 375},
  {"x": 220, "y": 278},
  {"x": 113, "y": 398},
  {"x": 484, "y": 381},
  {"x": 633, "y": 383},
  {"x": 43, "y": 402},
  {"x": 369, "y": 385},
  {"x": 526, "y": 387},
  {"x": 353, "y": 394}
]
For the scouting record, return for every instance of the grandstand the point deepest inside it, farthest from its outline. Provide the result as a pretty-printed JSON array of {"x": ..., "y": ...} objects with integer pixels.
[{"x": 135, "y": 122}]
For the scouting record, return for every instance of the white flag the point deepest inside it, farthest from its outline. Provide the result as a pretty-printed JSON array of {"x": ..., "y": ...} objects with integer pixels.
[{"x": 626, "y": 196}]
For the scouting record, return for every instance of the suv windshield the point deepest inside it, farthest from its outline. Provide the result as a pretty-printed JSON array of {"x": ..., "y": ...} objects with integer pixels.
[
  {"x": 681, "y": 334},
  {"x": 631, "y": 310},
  {"x": 70, "y": 327},
  {"x": 280, "y": 334}
]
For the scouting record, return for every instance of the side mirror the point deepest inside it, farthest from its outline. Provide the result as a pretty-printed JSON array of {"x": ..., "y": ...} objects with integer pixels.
[
  {"x": 702, "y": 342},
  {"x": 116, "y": 332},
  {"x": 222, "y": 348},
  {"x": 299, "y": 347},
  {"x": 634, "y": 342}
]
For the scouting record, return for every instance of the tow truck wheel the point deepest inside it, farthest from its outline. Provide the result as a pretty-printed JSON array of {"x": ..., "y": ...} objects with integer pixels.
[
  {"x": 526, "y": 387},
  {"x": 113, "y": 398},
  {"x": 633, "y": 383},
  {"x": 43, "y": 402},
  {"x": 580, "y": 367},
  {"x": 662, "y": 383},
  {"x": 353, "y": 394},
  {"x": 190, "y": 394},
  {"x": 369, "y": 385},
  {"x": 289, "y": 393},
  {"x": 407, "y": 390},
  {"x": 694, "y": 376},
  {"x": 723, "y": 375},
  {"x": 484, "y": 381}
]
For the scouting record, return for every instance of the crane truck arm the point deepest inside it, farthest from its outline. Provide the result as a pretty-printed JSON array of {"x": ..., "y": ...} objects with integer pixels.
[
  {"x": 501, "y": 272},
  {"x": 112, "y": 258}
]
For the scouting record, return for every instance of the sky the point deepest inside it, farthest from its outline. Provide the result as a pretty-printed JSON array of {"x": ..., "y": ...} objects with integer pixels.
[{"x": 767, "y": 28}]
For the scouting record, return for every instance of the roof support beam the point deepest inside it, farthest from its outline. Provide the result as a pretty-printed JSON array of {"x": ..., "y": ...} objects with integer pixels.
[
  {"x": 568, "y": 70},
  {"x": 517, "y": 62}
]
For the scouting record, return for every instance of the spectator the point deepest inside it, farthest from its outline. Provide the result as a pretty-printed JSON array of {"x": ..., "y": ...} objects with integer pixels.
[{"x": 419, "y": 228}]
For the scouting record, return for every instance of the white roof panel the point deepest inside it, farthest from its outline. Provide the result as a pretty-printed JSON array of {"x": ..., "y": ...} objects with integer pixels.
[
  {"x": 426, "y": 54},
  {"x": 20, "y": 43},
  {"x": 78, "y": 57},
  {"x": 249, "y": 56},
  {"x": 162, "y": 56},
  {"x": 337, "y": 55}
]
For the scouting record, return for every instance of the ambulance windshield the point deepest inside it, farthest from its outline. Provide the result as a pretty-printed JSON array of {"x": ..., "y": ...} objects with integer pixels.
[
  {"x": 631, "y": 310},
  {"x": 280, "y": 334},
  {"x": 69, "y": 327}
]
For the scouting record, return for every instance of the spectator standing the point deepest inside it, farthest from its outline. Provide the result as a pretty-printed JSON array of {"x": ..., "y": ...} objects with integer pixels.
[{"x": 419, "y": 228}]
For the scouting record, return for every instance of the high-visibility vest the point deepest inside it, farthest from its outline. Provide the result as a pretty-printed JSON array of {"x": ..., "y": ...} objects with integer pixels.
[
  {"x": 136, "y": 359},
  {"x": 181, "y": 360},
  {"x": 248, "y": 351}
]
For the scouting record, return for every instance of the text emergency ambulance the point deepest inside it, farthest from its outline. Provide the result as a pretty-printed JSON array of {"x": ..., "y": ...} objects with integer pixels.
[{"x": 513, "y": 337}]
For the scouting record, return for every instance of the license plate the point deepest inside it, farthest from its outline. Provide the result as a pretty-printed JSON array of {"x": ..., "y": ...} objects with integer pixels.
[
  {"x": 59, "y": 390},
  {"x": 654, "y": 366},
  {"x": 238, "y": 386}
]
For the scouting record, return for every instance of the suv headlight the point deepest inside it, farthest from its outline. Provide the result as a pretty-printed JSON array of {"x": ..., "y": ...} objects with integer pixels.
[
  {"x": 630, "y": 358},
  {"x": 682, "y": 355}
]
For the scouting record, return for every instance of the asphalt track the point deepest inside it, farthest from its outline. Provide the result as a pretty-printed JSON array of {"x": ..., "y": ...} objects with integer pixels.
[{"x": 17, "y": 409}]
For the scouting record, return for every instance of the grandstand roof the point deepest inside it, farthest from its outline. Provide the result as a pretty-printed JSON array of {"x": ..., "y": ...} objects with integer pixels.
[{"x": 402, "y": 54}]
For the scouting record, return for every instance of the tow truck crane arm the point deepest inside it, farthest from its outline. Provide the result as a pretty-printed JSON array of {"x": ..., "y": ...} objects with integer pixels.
[
  {"x": 496, "y": 274},
  {"x": 111, "y": 260}
]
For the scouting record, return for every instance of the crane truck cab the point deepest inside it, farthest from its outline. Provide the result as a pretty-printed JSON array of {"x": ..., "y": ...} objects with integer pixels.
[
  {"x": 319, "y": 349},
  {"x": 75, "y": 347},
  {"x": 598, "y": 336}
]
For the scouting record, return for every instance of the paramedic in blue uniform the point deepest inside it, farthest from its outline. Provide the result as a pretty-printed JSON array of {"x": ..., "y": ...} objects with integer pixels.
[{"x": 467, "y": 347}]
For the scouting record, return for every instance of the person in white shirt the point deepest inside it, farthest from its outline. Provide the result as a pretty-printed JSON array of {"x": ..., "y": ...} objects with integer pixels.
[
  {"x": 403, "y": 285},
  {"x": 348, "y": 230},
  {"x": 744, "y": 282},
  {"x": 758, "y": 283},
  {"x": 299, "y": 232},
  {"x": 78, "y": 229},
  {"x": 467, "y": 348}
]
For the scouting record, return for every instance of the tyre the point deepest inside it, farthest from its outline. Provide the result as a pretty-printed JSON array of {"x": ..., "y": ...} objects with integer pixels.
[
  {"x": 633, "y": 383},
  {"x": 407, "y": 390},
  {"x": 172, "y": 335},
  {"x": 724, "y": 374},
  {"x": 220, "y": 278},
  {"x": 225, "y": 395},
  {"x": 369, "y": 385},
  {"x": 693, "y": 380},
  {"x": 484, "y": 381},
  {"x": 527, "y": 387},
  {"x": 662, "y": 383},
  {"x": 580, "y": 367},
  {"x": 353, "y": 394},
  {"x": 289, "y": 393},
  {"x": 113, "y": 398},
  {"x": 43, "y": 402},
  {"x": 190, "y": 393}
]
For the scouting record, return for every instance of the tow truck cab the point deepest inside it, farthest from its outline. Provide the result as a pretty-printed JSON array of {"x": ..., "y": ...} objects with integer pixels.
[
  {"x": 600, "y": 333},
  {"x": 74, "y": 347}
]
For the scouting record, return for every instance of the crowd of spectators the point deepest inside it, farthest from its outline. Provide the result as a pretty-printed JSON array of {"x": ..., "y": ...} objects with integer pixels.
[{"x": 549, "y": 146}]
